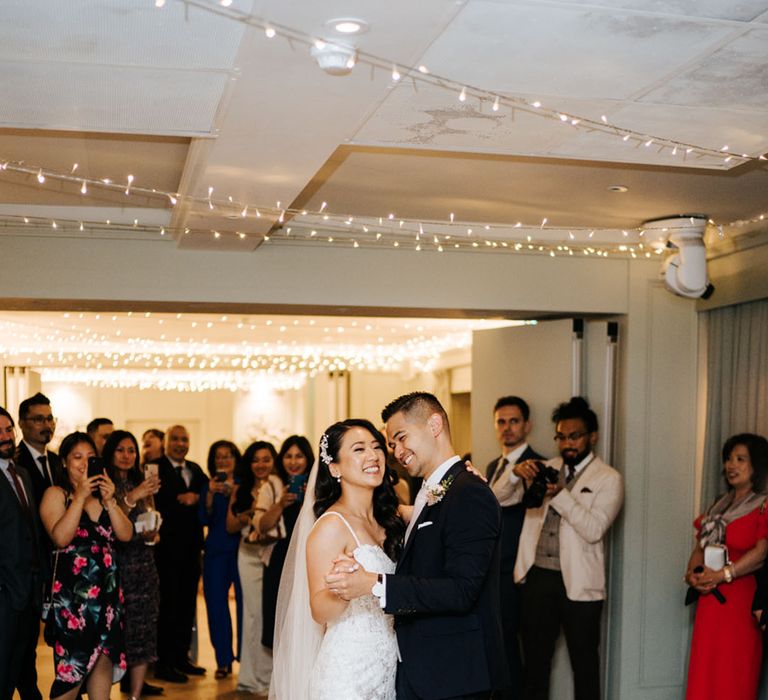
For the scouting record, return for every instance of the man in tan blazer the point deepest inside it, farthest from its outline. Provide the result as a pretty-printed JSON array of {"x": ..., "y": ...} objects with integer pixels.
[{"x": 560, "y": 560}]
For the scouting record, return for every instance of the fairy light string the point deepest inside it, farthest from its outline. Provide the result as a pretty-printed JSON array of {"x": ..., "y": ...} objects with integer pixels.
[{"x": 400, "y": 73}]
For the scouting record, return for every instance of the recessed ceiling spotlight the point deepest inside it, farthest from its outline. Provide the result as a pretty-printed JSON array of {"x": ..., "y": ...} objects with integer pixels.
[
  {"x": 347, "y": 25},
  {"x": 618, "y": 188}
]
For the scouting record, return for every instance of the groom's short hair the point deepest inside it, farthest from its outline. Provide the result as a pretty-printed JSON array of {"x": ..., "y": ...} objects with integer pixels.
[{"x": 420, "y": 403}]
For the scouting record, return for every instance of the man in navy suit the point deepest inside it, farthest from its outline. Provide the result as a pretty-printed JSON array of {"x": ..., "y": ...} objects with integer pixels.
[
  {"x": 22, "y": 571},
  {"x": 512, "y": 421},
  {"x": 445, "y": 591}
]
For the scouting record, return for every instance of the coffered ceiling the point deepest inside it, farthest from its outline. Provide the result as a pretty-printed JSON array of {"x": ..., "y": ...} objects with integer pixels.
[{"x": 193, "y": 95}]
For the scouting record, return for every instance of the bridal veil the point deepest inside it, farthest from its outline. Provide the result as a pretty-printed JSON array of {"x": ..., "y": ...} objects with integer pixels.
[{"x": 297, "y": 635}]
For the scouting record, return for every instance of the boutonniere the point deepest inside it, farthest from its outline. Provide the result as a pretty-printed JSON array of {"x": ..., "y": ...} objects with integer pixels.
[{"x": 436, "y": 493}]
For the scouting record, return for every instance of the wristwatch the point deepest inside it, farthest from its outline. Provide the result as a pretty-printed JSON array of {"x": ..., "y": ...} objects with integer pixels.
[{"x": 378, "y": 588}]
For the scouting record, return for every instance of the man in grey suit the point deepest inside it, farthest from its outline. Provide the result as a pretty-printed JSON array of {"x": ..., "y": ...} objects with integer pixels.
[
  {"x": 22, "y": 567},
  {"x": 512, "y": 422}
]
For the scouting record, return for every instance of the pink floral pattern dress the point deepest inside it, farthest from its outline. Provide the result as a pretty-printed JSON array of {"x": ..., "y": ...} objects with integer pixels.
[{"x": 87, "y": 605}]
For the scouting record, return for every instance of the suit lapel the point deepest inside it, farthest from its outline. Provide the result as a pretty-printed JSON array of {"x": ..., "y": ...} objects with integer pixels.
[{"x": 427, "y": 509}]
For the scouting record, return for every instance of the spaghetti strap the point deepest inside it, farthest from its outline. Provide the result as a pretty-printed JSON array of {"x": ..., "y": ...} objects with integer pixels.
[{"x": 344, "y": 520}]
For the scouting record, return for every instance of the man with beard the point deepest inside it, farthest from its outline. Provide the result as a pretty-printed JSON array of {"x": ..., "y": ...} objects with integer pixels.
[
  {"x": 21, "y": 572},
  {"x": 37, "y": 426},
  {"x": 561, "y": 560}
]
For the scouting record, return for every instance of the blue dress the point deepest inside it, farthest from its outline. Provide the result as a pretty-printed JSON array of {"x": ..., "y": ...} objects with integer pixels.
[{"x": 219, "y": 575}]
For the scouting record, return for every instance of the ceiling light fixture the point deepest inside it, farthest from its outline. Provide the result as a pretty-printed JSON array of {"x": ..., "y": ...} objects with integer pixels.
[
  {"x": 347, "y": 25},
  {"x": 334, "y": 59},
  {"x": 618, "y": 188}
]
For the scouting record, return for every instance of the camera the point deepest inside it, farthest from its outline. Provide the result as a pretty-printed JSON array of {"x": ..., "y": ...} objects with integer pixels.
[{"x": 534, "y": 495}]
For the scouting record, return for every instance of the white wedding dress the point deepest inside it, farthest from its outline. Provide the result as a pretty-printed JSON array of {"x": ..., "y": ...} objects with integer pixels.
[{"x": 357, "y": 659}]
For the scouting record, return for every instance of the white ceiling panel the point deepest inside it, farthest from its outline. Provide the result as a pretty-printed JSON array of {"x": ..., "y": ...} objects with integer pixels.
[
  {"x": 736, "y": 10},
  {"x": 119, "y": 33},
  {"x": 737, "y": 74},
  {"x": 117, "y": 100},
  {"x": 567, "y": 51},
  {"x": 434, "y": 118}
]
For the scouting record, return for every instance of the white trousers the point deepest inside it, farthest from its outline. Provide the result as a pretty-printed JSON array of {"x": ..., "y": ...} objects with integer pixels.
[{"x": 255, "y": 659}]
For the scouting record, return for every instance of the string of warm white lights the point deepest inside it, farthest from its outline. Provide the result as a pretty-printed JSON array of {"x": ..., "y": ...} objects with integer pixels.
[
  {"x": 165, "y": 380},
  {"x": 399, "y": 238},
  {"x": 118, "y": 347},
  {"x": 465, "y": 91}
]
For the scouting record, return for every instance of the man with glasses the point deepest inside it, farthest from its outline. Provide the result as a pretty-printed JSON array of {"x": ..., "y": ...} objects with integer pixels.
[
  {"x": 560, "y": 560},
  {"x": 37, "y": 427}
]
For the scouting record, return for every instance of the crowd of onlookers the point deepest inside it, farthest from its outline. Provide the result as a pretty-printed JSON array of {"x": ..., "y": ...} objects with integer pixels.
[
  {"x": 120, "y": 534},
  {"x": 108, "y": 539}
]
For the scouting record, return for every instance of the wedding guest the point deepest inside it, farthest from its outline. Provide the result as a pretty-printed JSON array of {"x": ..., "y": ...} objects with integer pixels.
[
  {"x": 220, "y": 554},
  {"x": 177, "y": 556},
  {"x": 87, "y": 604},
  {"x": 37, "y": 428},
  {"x": 135, "y": 561},
  {"x": 256, "y": 492},
  {"x": 294, "y": 461},
  {"x": 99, "y": 429},
  {"x": 511, "y": 420},
  {"x": 152, "y": 446},
  {"x": 23, "y": 556},
  {"x": 726, "y": 648}
]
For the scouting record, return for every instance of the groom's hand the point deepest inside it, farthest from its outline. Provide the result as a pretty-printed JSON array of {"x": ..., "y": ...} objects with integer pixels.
[{"x": 349, "y": 585}]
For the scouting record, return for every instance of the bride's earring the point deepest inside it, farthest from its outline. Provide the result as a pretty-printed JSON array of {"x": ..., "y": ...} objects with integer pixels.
[{"x": 338, "y": 478}]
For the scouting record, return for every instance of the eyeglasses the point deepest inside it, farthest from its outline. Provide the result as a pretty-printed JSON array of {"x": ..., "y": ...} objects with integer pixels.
[
  {"x": 39, "y": 420},
  {"x": 571, "y": 437}
]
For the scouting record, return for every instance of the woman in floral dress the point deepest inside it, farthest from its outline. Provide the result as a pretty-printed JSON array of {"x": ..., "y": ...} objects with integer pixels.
[{"x": 87, "y": 601}]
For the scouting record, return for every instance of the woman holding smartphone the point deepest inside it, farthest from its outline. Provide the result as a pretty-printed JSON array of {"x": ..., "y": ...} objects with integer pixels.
[
  {"x": 83, "y": 521},
  {"x": 220, "y": 555},
  {"x": 294, "y": 461},
  {"x": 135, "y": 562}
]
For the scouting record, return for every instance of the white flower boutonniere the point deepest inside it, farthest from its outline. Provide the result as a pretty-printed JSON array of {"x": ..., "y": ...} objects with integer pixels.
[{"x": 436, "y": 493}]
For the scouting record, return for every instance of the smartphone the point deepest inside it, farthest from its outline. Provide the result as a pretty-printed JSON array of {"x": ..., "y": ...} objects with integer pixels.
[
  {"x": 221, "y": 477},
  {"x": 151, "y": 469},
  {"x": 298, "y": 485},
  {"x": 95, "y": 468}
]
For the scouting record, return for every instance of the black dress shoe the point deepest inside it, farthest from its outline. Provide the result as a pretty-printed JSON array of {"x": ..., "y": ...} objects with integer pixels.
[
  {"x": 146, "y": 689},
  {"x": 190, "y": 669},
  {"x": 168, "y": 673},
  {"x": 149, "y": 689}
]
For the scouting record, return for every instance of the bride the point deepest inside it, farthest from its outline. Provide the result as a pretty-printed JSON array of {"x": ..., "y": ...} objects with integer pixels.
[{"x": 325, "y": 647}]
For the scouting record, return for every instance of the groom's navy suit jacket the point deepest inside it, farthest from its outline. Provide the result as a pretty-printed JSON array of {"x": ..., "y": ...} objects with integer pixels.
[{"x": 445, "y": 593}]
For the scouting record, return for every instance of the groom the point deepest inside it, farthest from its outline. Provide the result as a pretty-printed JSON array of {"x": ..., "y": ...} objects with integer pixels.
[{"x": 445, "y": 591}]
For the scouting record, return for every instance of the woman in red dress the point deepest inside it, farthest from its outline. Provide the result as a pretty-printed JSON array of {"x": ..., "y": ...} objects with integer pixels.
[{"x": 727, "y": 648}]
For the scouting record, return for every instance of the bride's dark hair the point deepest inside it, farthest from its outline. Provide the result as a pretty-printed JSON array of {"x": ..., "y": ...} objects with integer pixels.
[{"x": 328, "y": 489}]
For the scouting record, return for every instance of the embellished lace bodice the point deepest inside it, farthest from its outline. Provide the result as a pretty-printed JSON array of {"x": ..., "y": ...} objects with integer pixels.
[{"x": 358, "y": 655}]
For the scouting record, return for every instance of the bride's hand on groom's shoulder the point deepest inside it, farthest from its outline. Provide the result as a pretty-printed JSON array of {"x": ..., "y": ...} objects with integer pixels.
[{"x": 470, "y": 468}]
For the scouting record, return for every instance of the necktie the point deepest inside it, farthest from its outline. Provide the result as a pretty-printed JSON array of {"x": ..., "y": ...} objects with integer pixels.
[
  {"x": 570, "y": 473},
  {"x": 499, "y": 471},
  {"x": 46, "y": 471},
  {"x": 418, "y": 506},
  {"x": 180, "y": 472},
  {"x": 20, "y": 491},
  {"x": 26, "y": 510}
]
